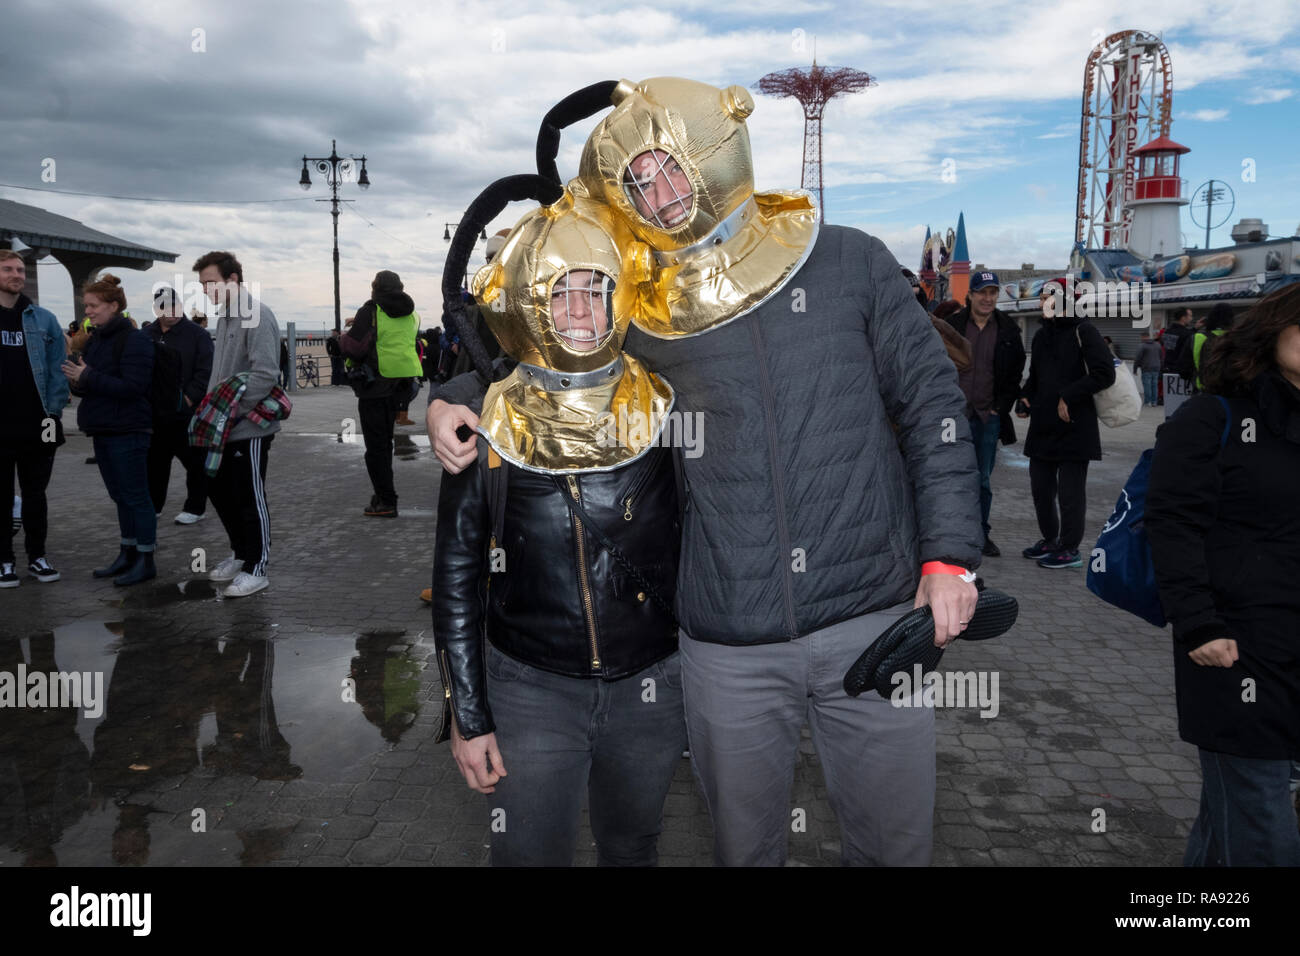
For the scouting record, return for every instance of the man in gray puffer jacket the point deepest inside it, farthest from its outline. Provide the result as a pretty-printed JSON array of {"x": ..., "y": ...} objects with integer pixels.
[{"x": 837, "y": 489}]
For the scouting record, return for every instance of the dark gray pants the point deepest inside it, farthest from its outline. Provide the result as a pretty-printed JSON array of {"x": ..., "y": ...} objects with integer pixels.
[
  {"x": 560, "y": 737},
  {"x": 745, "y": 708}
]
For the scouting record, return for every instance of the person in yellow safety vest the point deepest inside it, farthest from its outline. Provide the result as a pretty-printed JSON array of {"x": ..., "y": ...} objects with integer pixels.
[
  {"x": 1218, "y": 321},
  {"x": 384, "y": 371}
]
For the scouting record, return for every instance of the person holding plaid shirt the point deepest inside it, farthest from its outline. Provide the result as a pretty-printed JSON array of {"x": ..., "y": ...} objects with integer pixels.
[{"x": 248, "y": 342}]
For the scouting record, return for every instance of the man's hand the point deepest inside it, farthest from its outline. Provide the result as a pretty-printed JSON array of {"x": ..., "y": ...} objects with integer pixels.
[
  {"x": 442, "y": 420},
  {"x": 479, "y": 760},
  {"x": 951, "y": 600},
  {"x": 1217, "y": 653},
  {"x": 1063, "y": 410}
]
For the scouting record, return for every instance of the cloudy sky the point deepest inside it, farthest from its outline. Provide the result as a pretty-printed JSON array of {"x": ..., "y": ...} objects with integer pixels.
[{"x": 216, "y": 103}]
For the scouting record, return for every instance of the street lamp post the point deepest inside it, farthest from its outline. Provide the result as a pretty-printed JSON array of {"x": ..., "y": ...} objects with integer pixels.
[
  {"x": 336, "y": 169},
  {"x": 447, "y": 227}
]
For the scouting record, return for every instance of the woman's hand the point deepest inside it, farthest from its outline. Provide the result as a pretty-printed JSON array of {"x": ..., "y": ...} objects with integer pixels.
[
  {"x": 1063, "y": 411},
  {"x": 73, "y": 371},
  {"x": 479, "y": 759},
  {"x": 1217, "y": 653}
]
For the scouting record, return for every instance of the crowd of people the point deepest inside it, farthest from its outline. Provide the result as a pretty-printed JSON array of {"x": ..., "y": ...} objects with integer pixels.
[{"x": 600, "y": 606}]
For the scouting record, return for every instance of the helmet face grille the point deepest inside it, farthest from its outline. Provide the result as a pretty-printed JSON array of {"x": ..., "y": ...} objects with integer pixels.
[
  {"x": 658, "y": 188},
  {"x": 582, "y": 309}
]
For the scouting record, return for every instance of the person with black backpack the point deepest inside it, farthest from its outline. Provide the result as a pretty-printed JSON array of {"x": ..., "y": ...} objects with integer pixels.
[
  {"x": 384, "y": 370},
  {"x": 113, "y": 381},
  {"x": 182, "y": 367}
]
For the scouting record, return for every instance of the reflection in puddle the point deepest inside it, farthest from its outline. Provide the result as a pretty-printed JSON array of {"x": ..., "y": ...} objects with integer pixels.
[
  {"x": 404, "y": 446},
  {"x": 228, "y": 698}
]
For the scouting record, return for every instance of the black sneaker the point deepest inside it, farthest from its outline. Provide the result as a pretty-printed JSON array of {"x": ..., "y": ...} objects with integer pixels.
[
  {"x": 8, "y": 579},
  {"x": 1062, "y": 559},
  {"x": 1040, "y": 550},
  {"x": 991, "y": 550},
  {"x": 40, "y": 569}
]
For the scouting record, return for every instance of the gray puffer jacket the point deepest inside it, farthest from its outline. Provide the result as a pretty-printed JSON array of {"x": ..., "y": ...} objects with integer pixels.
[{"x": 836, "y": 455}]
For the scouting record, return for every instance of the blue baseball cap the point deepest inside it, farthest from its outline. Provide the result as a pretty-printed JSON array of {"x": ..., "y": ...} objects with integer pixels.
[{"x": 979, "y": 280}]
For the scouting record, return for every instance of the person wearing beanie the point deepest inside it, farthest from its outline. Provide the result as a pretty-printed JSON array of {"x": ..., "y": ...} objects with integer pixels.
[{"x": 384, "y": 370}]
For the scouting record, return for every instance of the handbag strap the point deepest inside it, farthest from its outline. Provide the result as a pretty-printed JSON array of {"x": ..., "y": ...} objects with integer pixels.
[
  {"x": 575, "y": 508},
  {"x": 1227, "y": 421}
]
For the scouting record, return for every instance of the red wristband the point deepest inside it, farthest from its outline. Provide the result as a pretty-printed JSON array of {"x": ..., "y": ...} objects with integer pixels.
[{"x": 938, "y": 567}]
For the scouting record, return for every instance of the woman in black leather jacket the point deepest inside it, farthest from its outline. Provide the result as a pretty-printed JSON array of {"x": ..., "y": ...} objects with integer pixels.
[{"x": 555, "y": 564}]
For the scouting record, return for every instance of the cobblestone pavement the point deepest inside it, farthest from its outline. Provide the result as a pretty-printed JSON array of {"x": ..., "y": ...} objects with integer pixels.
[{"x": 240, "y": 709}]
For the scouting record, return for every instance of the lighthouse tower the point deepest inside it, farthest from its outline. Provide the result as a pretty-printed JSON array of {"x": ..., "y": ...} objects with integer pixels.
[{"x": 1158, "y": 195}]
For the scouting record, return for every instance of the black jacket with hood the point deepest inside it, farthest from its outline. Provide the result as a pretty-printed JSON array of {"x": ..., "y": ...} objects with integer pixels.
[{"x": 358, "y": 342}]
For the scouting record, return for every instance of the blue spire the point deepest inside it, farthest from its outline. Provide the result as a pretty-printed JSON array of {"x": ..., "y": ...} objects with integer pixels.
[{"x": 959, "y": 253}]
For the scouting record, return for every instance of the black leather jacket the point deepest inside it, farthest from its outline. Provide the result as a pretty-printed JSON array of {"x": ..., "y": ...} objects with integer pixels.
[{"x": 560, "y": 602}]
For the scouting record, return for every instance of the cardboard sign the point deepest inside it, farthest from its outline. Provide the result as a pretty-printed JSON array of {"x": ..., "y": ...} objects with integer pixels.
[{"x": 1177, "y": 391}]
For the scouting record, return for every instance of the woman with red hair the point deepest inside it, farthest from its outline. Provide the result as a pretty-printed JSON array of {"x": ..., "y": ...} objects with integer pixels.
[{"x": 113, "y": 384}]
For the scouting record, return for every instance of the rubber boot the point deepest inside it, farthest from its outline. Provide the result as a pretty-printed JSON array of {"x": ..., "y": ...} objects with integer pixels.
[
  {"x": 125, "y": 558},
  {"x": 142, "y": 570}
]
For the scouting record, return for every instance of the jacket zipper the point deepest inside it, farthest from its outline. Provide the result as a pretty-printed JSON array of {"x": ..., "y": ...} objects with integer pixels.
[
  {"x": 778, "y": 486},
  {"x": 637, "y": 487},
  {"x": 584, "y": 585},
  {"x": 446, "y": 688}
]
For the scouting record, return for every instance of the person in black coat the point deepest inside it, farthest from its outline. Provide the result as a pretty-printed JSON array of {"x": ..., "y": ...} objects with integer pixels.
[
  {"x": 1068, "y": 364},
  {"x": 1223, "y": 518},
  {"x": 113, "y": 382},
  {"x": 193, "y": 346}
]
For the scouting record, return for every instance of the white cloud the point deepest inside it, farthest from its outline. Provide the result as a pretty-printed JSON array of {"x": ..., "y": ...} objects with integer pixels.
[
  {"x": 1262, "y": 95},
  {"x": 446, "y": 96}
]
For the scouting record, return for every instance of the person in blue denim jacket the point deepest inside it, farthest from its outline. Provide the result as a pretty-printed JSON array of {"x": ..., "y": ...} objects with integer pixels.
[{"x": 33, "y": 394}]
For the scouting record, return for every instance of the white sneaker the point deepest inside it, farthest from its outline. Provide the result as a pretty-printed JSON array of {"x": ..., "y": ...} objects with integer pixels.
[
  {"x": 245, "y": 584},
  {"x": 227, "y": 570},
  {"x": 8, "y": 577},
  {"x": 188, "y": 517}
]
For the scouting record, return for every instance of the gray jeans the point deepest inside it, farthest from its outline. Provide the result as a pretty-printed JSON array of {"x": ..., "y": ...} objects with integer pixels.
[
  {"x": 745, "y": 708},
  {"x": 617, "y": 742}
]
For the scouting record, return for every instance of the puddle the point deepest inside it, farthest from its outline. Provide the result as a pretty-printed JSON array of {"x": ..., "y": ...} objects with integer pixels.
[
  {"x": 405, "y": 447},
  {"x": 227, "y": 697}
]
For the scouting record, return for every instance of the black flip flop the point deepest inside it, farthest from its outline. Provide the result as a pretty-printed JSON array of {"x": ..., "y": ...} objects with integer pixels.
[{"x": 910, "y": 641}]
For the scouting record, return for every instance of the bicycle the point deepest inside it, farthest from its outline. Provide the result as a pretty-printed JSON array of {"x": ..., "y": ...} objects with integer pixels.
[{"x": 308, "y": 372}]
